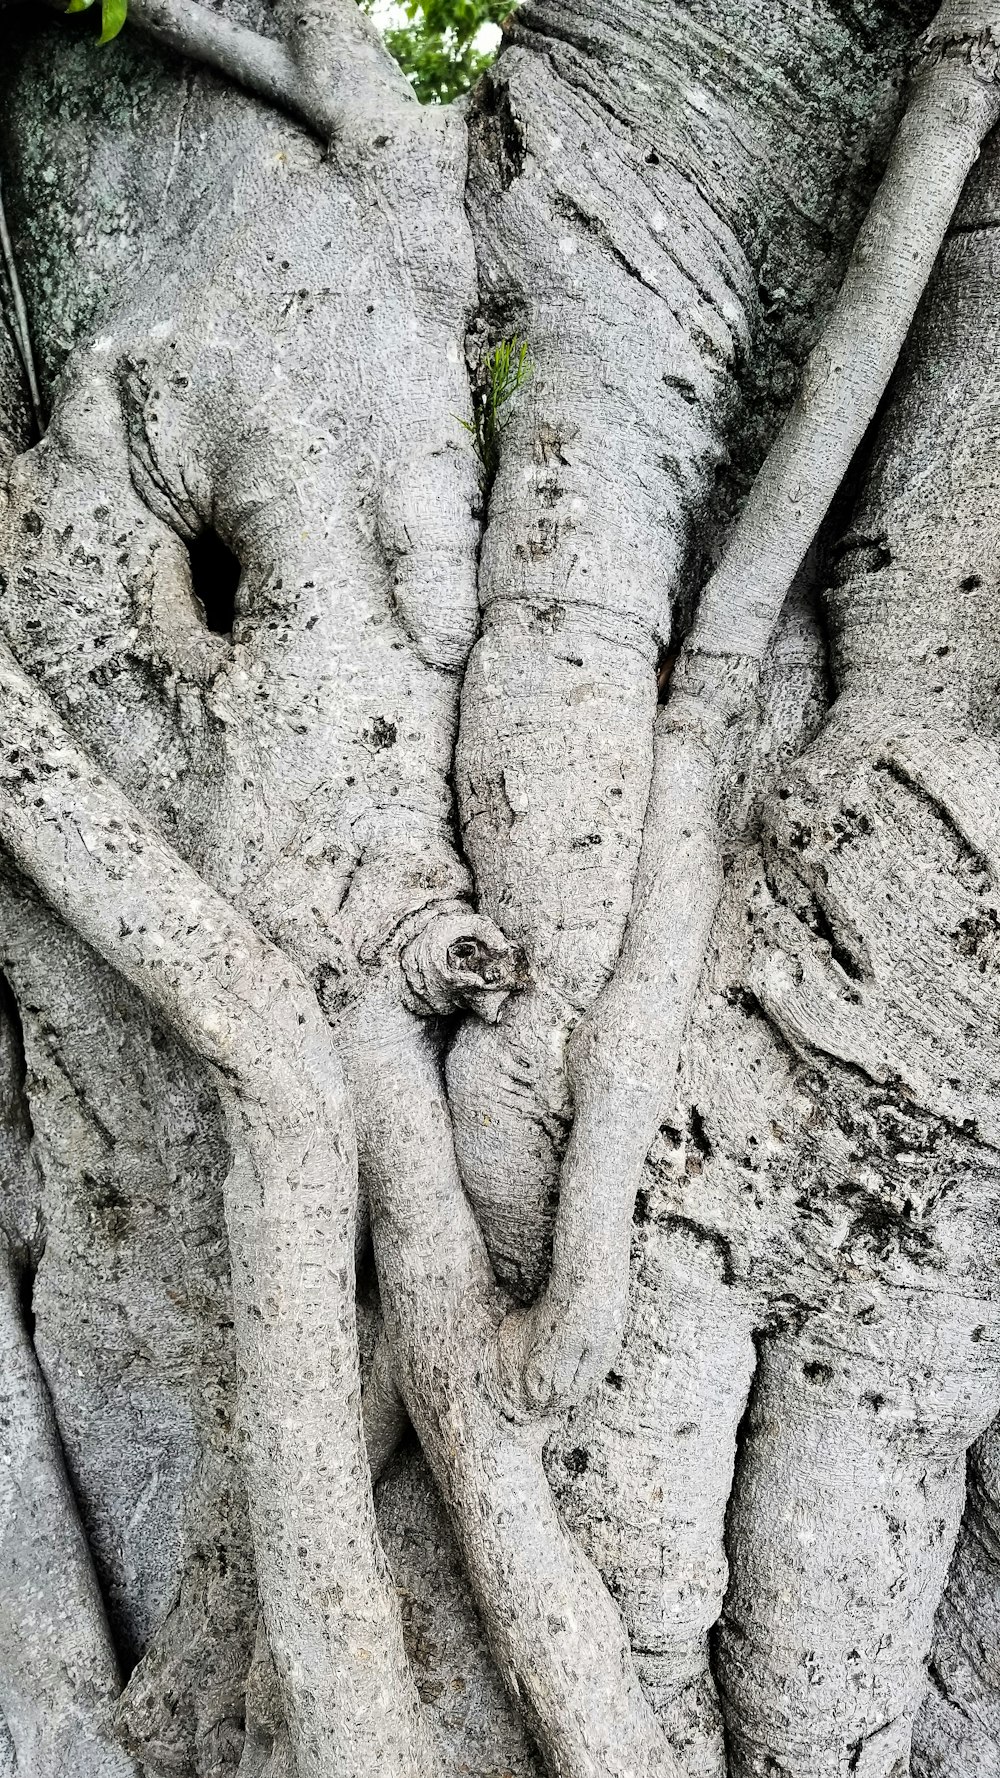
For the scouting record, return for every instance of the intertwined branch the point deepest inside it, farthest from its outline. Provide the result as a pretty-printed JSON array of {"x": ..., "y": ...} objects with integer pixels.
[
  {"x": 623, "y": 1055},
  {"x": 480, "y": 1381}
]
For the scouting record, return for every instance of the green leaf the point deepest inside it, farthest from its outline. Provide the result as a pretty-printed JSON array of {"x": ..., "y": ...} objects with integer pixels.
[
  {"x": 79, "y": 5},
  {"x": 112, "y": 18},
  {"x": 436, "y": 47},
  {"x": 503, "y": 370}
]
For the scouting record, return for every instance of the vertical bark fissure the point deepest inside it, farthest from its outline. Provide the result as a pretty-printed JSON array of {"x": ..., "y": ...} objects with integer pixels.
[{"x": 20, "y": 325}]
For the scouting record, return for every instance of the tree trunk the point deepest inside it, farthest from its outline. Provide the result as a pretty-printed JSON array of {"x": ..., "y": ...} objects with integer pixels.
[{"x": 499, "y": 1049}]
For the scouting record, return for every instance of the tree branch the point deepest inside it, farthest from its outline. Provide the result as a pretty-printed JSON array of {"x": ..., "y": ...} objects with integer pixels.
[
  {"x": 260, "y": 65},
  {"x": 554, "y": 1629},
  {"x": 321, "y": 77},
  {"x": 623, "y": 1056},
  {"x": 290, "y": 1197}
]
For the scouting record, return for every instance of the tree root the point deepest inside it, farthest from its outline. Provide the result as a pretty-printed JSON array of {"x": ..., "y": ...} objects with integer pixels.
[
  {"x": 346, "y": 1688},
  {"x": 58, "y": 1674}
]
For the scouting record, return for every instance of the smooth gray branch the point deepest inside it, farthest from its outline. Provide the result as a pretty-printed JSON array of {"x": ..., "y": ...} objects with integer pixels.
[
  {"x": 290, "y": 1201},
  {"x": 322, "y": 90},
  {"x": 623, "y": 1056}
]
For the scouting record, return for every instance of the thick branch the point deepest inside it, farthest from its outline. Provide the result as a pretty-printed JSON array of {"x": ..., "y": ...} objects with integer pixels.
[
  {"x": 322, "y": 90},
  {"x": 555, "y": 1631},
  {"x": 331, "y": 1614},
  {"x": 847, "y": 374},
  {"x": 259, "y": 64},
  {"x": 58, "y": 1675},
  {"x": 623, "y": 1057}
]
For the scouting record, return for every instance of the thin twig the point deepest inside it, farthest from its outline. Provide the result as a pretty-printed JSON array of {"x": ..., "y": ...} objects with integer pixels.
[{"x": 20, "y": 328}]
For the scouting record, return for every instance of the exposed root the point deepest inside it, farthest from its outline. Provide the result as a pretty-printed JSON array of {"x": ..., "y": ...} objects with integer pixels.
[
  {"x": 59, "y": 1674},
  {"x": 556, "y": 1634}
]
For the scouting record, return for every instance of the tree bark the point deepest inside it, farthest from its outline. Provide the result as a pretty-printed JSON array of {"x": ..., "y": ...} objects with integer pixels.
[{"x": 500, "y": 1066}]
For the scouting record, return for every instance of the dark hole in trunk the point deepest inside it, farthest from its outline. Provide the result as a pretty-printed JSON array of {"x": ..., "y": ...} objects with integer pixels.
[
  {"x": 26, "y": 1294},
  {"x": 665, "y": 665},
  {"x": 215, "y": 576}
]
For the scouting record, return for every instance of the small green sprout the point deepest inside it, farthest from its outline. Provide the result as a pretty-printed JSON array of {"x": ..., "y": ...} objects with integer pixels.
[
  {"x": 112, "y": 15},
  {"x": 503, "y": 370}
]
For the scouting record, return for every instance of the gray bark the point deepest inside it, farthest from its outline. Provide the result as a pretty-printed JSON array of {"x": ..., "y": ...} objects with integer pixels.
[{"x": 499, "y": 1172}]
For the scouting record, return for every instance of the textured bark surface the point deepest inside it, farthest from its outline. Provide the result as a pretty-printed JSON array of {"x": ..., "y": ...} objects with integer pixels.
[{"x": 498, "y": 1173}]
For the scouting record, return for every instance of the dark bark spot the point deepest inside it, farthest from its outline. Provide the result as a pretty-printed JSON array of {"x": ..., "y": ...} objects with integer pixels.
[
  {"x": 112, "y": 1206},
  {"x": 739, "y": 995},
  {"x": 697, "y": 1135},
  {"x": 883, "y": 1230},
  {"x": 548, "y": 618},
  {"x": 683, "y": 387},
  {"x": 970, "y": 583},
  {"x": 550, "y": 445},
  {"x": 577, "y": 1460},
  {"x": 862, "y": 555},
  {"x": 383, "y": 732},
  {"x": 838, "y": 951},
  {"x": 544, "y": 540},
  {"x": 975, "y": 932},
  {"x": 815, "y": 1372},
  {"x": 215, "y": 577}
]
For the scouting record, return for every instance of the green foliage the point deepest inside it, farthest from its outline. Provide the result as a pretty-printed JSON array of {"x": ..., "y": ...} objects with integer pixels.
[
  {"x": 112, "y": 15},
  {"x": 502, "y": 372},
  {"x": 436, "y": 48}
]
